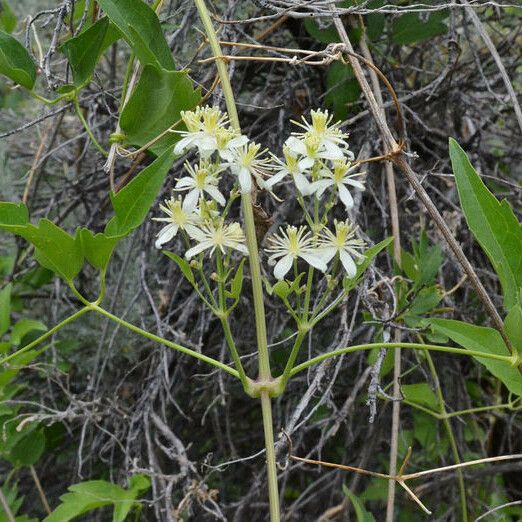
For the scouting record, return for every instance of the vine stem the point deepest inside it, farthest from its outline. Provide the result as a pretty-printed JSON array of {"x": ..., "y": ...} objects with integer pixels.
[
  {"x": 161, "y": 340},
  {"x": 415, "y": 346},
  {"x": 265, "y": 375}
]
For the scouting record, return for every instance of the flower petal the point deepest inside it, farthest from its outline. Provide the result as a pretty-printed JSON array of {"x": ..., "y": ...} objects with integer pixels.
[
  {"x": 166, "y": 234},
  {"x": 349, "y": 265},
  {"x": 214, "y": 193},
  {"x": 191, "y": 200},
  {"x": 191, "y": 252},
  {"x": 345, "y": 196},
  {"x": 314, "y": 260},
  {"x": 327, "y": 253},
  {"x": 245, "y": 180},
  {"x": 283, "y": 266}
]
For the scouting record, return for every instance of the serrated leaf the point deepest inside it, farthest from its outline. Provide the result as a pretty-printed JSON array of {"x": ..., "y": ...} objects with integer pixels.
[
  {"x": 84, "y": 51},
  {"x": 87, "y": 496},
  {"x": 411, "y": 28},
  {"x": 421, "y": 393},
  {"x": 132, "y": 203},
  {"x": 7, "y": 17},
  {"x": 482, "y": 339},
  {"x": 493, "y": 224},
  {"x": 361, "y": 514},
  {"x": 155, "y": 105},
  {"x": 184, "y": 266},
  {"x": 141, "y": 28},
  {"x": 97, "y": 248},
  {"x": 15, "y": 62},
  {"x": 5, "y": 309}
]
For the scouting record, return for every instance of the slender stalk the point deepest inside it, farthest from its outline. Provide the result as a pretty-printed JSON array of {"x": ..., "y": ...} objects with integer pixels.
[
  {"x": 451, "y": 437},
  {"x": 224, "y": 319},
  {"x": 293, "y": 356},
  {"x": 41, "y": 492},
  {"x": 46, "y": 335},
  {"x": 95, "y": 142},
  {"x": 273, "y": 490},
  {"x": 5, "y": 506},
  {"x": 165, "y": 342},
  {"x": 415, "y": 346},
  {"x": 265, "y": 375}
]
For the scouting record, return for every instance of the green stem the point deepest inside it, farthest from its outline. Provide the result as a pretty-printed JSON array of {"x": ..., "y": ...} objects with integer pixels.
[
  {"x": 415, "y": 346},
  {"x": 165, "y": 342},
  {"x": 308, "y": 293},
  {"x": 87, "y": 128},
  {"x": 224, "y": 319},
  {"x": 265, "y": 374},
  {"x": 293, "y": 356},
  {"x": 234, "y": 352},
  {"x": 273, "y": 490},
  {"x": 451, "y": 437},
  {"x": 47, "y": 334}
]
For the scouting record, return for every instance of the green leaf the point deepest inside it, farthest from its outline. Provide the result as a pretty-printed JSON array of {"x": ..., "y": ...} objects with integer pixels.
[
  {"x": 237, "y": 282},
  {"x": 281, "y": 289},
  {"x": 513, "y": 327},
  {"x": 141, "y": 29},
  {"x": 93, "y": 494},
  {"x": 184, "y": 266},
  {"x": 7, "y": 17},
  {"x": 15, "y": 62},
  {"x": 324, "y": 33},
  {"x": 55, "y": 249},
  {"x": 369, "y": 255},
  {"x": 97, "y": 248},
  {"x": 411, "y": 28},
  {"x": 493, "y": 224},
  {"x": 84, "y": 51},
  {"x": 422, "y": 394},
  {"x": 375, "y": 21},
  {"x": 361, "y": 513},
  {"x": 5, "y": 309},
  {"x": 132, "y": 203},
  {"x": 155, "y": 105},
  {"x": 342, "y": 89},
  {"x": 485, "y": 340},
  {"x": 23, "y": 327},
  {"x": 28, "y": 450}
]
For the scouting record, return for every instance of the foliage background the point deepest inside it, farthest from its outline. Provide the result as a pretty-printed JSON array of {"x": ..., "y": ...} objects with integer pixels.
[{"x": 113, "y": 405}]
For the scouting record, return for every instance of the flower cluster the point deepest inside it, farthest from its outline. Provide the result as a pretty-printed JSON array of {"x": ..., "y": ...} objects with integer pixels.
[
  {"x": 197, "y": 214},
  {"x": 316, "y": 158}
]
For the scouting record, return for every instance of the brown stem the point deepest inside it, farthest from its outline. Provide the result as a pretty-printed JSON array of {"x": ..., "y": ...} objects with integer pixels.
[{"x": 399, "y": 158}]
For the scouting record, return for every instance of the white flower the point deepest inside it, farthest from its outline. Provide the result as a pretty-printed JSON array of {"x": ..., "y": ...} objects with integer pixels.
[
  {"x": 330, "y": 139},
  {"x": 339, "y": 177},
  {"x": 291, "y": 244},
  {"x": 344, "y": 243},
  {"x": 212, "y": 236},
  {"x": 291, "y": 166},
  {"x": 208, "y": 131},
  {"x": 309, "y": 147},
  {"x": 247, "y": 161},
  {"x": 203, "y": 178},
  {"x": 177, "y": 218}
]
